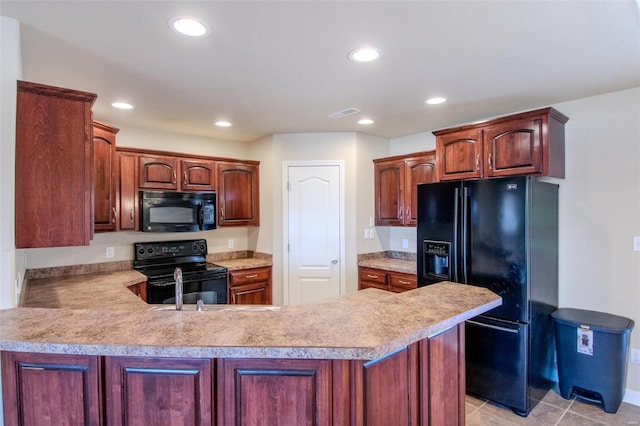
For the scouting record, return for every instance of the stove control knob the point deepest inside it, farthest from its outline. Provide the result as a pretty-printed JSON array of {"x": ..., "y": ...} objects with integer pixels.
[
  {"x": 202, "y": 247},
  {"x": 150, "y": 250},
  {"x": 140, "y": 251},
  {"x": 194, "y": 248}
]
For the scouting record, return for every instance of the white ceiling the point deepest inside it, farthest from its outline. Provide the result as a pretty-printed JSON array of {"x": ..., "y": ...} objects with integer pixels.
[{"x": 278, "y": 67}]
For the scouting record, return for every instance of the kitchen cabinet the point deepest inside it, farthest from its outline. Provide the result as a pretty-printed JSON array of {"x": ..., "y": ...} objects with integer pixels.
[
  {"x": 197, "y": 175},
  {"x": 127, "y": 194},
  {"x": 238, "y": 194},
  {"x": 395, "y": 180},
  {"x": 158, "y": 172},
  {"x": 175, "y": 173},
  {"x": 152, "y": 391},
  {"x": 250, "y": 286},
  {"x": 530, "y": 143},
  {"x": 63, "y": 389},
  {"x": 422, "y": 383},
  {"x": 274, "y": 392},
  {"x": 105, "y": 177},
  {"x": 53, "y": 189},
  {"x": 386, "y": 280}
]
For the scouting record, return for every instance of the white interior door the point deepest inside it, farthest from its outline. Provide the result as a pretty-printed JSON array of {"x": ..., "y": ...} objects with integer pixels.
[{"x": 313, "y": 205}]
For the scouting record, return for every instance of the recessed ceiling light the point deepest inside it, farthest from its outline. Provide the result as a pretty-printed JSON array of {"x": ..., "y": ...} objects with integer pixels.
[
  {"x": 364, "y": 54},
  {"x": 222, "y": 123},
  {"x": 436, "y": 100},
  {"x": 366, "y": 121},
  {"x": 189, "y": 27},
  {"x": 122, "y": 105}
]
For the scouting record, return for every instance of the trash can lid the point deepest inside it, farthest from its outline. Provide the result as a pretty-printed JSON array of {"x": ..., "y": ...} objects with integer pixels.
[{"x": 598, "y": 321}]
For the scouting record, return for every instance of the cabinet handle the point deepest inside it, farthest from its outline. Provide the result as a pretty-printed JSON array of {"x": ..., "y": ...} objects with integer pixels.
[
  {"x": 400, "y": 213},
  {"x": 478, "y": 162},
  {"x": 174, "y": 176},
  {"x": 113, "y": 218},
  {"x": 251, "y": 276},
  {"x": 222, "y": 213},
  {"x": 404, "y": 282},
  {"x": 408, "y": 215},
  {"x": 132, "y": 215},
  {"x": 186, "y": 182},
  {"x": 489, "y": 162},
  {"x": 375, "y": 277}
]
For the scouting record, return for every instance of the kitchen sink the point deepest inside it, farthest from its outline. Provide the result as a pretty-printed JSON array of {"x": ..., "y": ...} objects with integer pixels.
[{"x": 236, "y": 308}]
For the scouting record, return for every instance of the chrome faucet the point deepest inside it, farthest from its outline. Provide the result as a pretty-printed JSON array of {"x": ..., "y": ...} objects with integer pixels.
[{"x": 177, "y": 276}]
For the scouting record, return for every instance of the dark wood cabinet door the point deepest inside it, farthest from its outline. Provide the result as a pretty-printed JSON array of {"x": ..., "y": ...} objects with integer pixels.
[
  {"x": 389, "y": 183},
  {"x": 513, "y": 148},
  {"x": 460, "y": 155},
  {"x": 385, "y": 390},
  {"x": 105, "y": 177},
  {"x": 51, "y": 389},
  {"x": 197, "y": 175},
  {"x": 238, "y": 196},
  {"x": 128, "y": 191},
  {"x": 442, "y": 368},
  {"x": 53, "y": 187},
  {"x": 419, "y": 170},
  {"x": 274, "y": 392},
  {"x": 158, "y": 172},
  {"x": 251, "y": 294},
  {"x": 159, "y": 391}
]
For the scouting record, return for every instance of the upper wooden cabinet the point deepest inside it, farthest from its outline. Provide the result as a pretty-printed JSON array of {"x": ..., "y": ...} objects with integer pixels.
[
  {"x": 197, "y": 175},
  {"x": 395, "y": 180},
  {"x": 105, "y": 177},
  {"x": 175, "y": 173},
  {"x": 530, "y": 143},
  {"x": 238, "y": 196},
  {"x": 128, "y": 197},
  {"x": 54, "y": 183}
]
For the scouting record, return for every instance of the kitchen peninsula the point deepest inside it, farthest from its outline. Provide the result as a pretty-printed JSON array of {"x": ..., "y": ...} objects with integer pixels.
[{"x": 371, "y": 357}]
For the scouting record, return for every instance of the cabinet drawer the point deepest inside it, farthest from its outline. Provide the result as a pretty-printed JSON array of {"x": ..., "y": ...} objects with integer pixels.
[
  {"x": 403, "y": 281},
  {"x": 249, "y": 276},
  {"x": 373, "y": 276}
]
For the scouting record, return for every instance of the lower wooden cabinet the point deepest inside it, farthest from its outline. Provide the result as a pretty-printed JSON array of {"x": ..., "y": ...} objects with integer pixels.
[
  {"x": 423, "y": 383},
  {"x": 386, "y": 280},
  {"x": 140, "y": 290},
  {"x": 250, "y": 286},
  {"x": 51, "y": 389},
  {"x": 159, "y": 391}
]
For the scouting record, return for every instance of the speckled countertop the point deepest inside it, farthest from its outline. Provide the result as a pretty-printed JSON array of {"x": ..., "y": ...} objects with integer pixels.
[
  {"x": 390, "y": 264},
  {"x": 247, "y": 263},
  {"x": 102, "y": 317}
]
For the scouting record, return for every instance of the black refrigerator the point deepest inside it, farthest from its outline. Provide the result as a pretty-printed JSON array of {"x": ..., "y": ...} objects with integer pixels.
[{"x": 501, "y": 234}]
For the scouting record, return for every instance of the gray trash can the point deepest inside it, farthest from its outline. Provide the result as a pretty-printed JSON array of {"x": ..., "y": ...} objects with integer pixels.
[{"x": 593, "y": 352}]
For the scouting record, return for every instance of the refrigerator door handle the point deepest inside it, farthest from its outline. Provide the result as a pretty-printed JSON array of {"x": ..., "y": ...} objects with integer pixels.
[
  {"x": 454, "y": 250},
  {"x": 465, "y": 232},
  {"x": 493, "y": 327}
]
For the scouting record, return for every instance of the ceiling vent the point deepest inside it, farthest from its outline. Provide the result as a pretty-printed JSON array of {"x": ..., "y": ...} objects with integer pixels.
[{"x": 344, "y": 113}]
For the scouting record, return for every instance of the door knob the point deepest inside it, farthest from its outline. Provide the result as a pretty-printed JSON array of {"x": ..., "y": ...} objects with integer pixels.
[{"x": 334, "y": 261}]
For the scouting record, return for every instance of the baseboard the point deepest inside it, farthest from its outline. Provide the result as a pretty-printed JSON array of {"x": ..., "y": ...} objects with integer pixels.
[{"x": 632, "y": 397}]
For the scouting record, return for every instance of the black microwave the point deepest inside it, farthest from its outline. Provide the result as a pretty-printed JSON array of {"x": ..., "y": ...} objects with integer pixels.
[{"x": 166, "y": 211}]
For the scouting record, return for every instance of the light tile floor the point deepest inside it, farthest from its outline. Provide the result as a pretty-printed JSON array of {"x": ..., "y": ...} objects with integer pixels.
[{"x": 552, "y": 410}]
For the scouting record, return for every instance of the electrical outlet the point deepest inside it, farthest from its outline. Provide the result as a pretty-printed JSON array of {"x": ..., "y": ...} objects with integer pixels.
[
  {"x": 635, "y": 356},
  {"x": 230, "y": 244},
  {"x": 372, "y": 233},
  {"x": 371, "y": 222},
  {"x": 110, "y": 253},
  {"x": 405, "y": 243},
  {"x": 636, "y": 243}
]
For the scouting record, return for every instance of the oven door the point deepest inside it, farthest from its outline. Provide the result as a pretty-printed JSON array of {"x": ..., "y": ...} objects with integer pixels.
[
  {"x": 176, "y": 211},
  {"x": 210, "y": 291}
]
